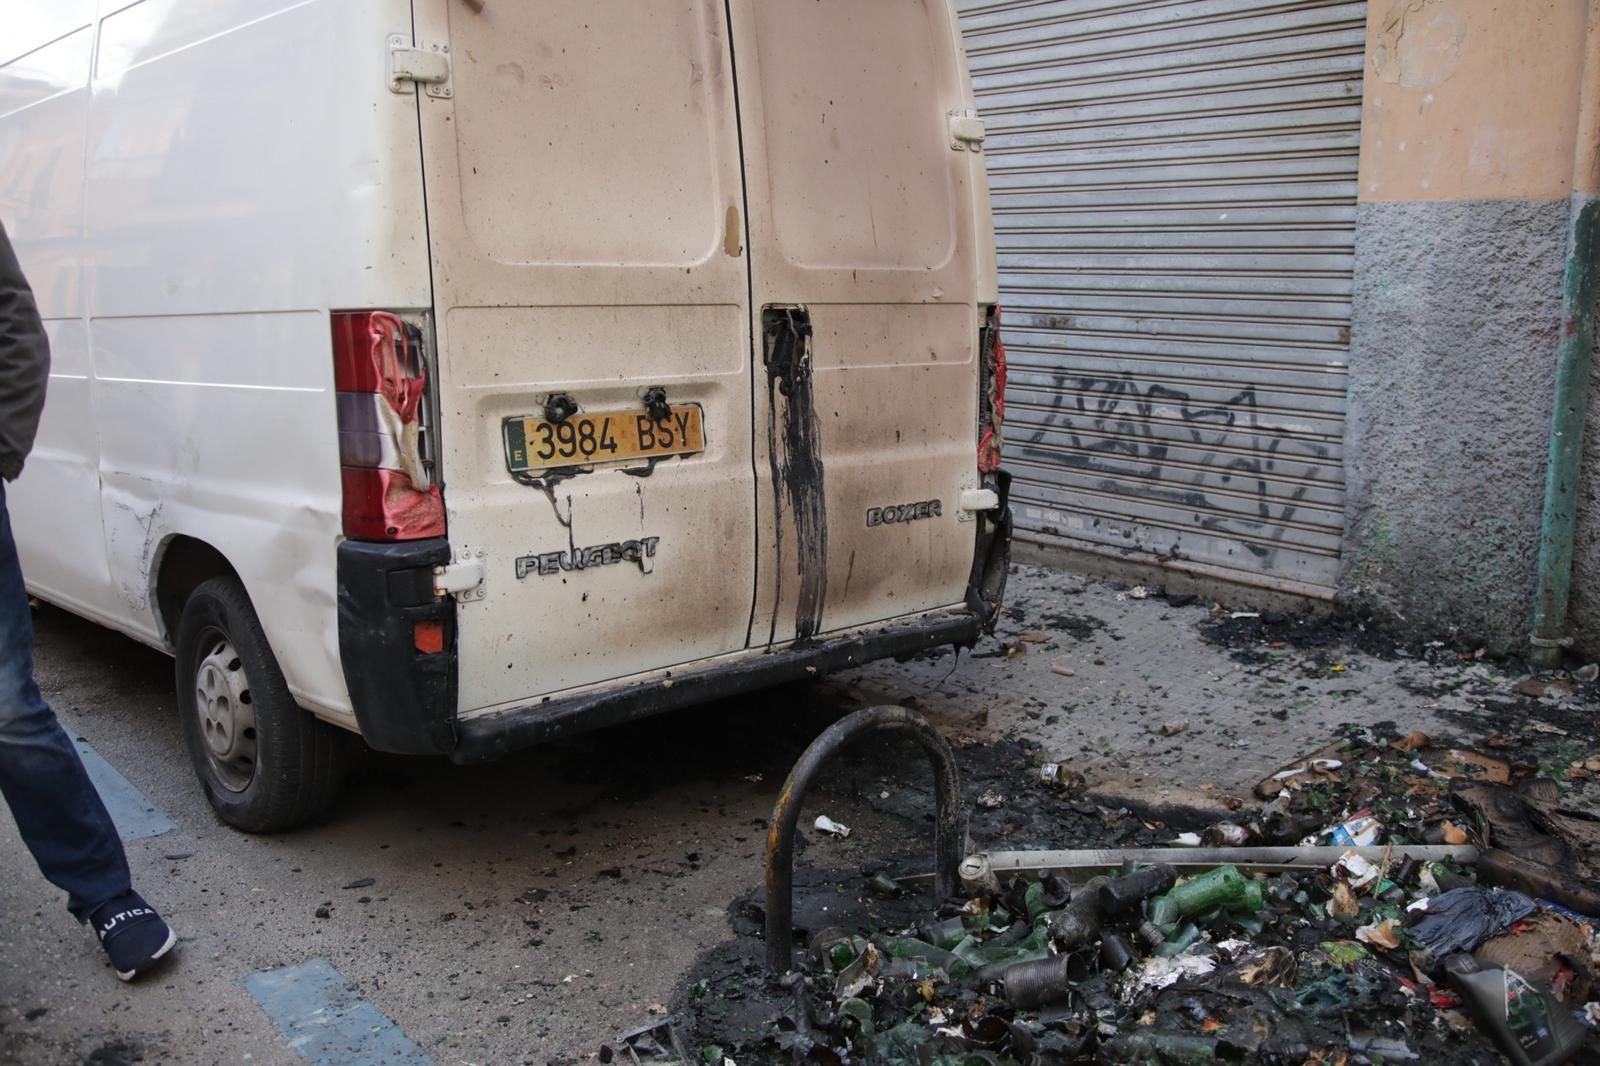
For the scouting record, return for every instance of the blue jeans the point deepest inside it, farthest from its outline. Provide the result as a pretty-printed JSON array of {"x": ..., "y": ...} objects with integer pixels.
[{"x": 61, "y": 817}]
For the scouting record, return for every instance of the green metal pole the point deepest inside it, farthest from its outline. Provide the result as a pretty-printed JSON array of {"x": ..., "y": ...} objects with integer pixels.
[
  {"x": 1580, "y": 282},
  {"x": 1562, "y": 476}
]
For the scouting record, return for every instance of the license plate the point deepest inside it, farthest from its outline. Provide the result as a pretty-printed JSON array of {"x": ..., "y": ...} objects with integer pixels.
[{"x": 603, "y": 437}]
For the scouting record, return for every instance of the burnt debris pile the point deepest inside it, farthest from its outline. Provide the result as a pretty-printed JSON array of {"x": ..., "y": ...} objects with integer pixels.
[{"x": 1391, "y": 898}]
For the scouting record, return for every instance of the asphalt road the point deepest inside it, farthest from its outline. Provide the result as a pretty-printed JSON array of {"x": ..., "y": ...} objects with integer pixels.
[
  {"x": 521, "y": 912},
  {"x": 528, "y": 911}
]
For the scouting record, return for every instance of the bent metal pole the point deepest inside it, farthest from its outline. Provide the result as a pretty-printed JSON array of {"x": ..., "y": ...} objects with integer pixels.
[{"x": 948, "y": 829}]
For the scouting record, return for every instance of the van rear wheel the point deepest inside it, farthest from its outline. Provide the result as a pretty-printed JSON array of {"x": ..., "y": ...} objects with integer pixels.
[{"x": 265, "y": 763}]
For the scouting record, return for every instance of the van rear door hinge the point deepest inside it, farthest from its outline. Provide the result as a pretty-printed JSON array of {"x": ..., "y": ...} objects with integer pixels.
[
  {"x": 966, "y": 130},
  {"x": 463, "y": 578},
  {"x": 427, "y": 65}
]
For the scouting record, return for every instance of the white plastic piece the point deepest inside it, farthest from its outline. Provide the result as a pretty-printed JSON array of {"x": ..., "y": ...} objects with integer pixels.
[
  {"x": 979, "y": 499},
  {"x": 832, "y": 828},
  {"x": 1160, "y": 972},
  {"x": 1358, "y": 871}
]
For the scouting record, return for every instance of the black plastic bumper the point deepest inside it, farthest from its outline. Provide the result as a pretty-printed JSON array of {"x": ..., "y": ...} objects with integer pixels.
[
  {"x": 492, "y": 736},
  {"x": 404, "y": 700},
  {"x": 991, "y": 561}
]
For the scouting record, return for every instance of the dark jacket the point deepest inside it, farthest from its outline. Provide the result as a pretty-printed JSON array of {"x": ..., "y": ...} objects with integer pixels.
[{"x": 24, "y": 363}]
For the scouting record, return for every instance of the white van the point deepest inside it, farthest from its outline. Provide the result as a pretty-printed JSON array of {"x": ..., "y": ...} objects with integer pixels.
[{"x": 466, "y": 373}]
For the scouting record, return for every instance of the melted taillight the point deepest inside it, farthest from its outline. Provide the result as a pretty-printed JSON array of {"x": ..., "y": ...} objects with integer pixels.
[
  {"x": 991, "y": 393},
  {"x": 381, "y": 379}
]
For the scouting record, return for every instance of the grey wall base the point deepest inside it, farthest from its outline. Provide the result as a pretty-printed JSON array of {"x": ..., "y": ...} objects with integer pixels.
[
  {"x": 1457, "y": 307},
  {"x": 1143, "y": 569}
]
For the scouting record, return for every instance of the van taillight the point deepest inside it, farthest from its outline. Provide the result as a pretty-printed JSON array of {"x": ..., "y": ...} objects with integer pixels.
[
  {"x": 991, "y": 393},
  {"x": 381, "y": 378}
]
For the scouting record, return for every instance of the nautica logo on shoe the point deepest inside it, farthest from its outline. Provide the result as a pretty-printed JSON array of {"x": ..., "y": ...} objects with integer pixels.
[{"x": 122, "y": 917}]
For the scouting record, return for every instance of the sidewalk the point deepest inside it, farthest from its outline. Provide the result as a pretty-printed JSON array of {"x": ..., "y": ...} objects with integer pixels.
[{"x": 1126, "y": 688}]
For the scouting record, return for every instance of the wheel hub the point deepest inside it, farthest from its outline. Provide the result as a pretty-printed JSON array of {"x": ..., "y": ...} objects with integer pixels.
[{"x": 227, "y": 718}]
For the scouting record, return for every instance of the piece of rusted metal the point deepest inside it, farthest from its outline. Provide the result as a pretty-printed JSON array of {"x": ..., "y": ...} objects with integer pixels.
[{"x": 949, "y": 831}]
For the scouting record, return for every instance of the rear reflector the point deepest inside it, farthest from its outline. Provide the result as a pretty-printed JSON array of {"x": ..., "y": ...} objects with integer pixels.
[
  {"x": 381, "y": 380},
  {"x": 428, "y": 637}
]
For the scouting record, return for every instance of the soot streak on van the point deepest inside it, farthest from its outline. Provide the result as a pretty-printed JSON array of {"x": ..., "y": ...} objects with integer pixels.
[
  {"x": 547, "y": 485},
  {"x": 796, "y": 461}
]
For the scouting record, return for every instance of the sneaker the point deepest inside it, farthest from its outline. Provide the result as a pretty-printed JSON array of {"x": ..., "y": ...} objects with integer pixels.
[{"x": 132, "y": 933}]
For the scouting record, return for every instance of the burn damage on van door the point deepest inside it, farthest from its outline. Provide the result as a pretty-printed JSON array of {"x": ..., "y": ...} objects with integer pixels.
[
  {"x": 795, "y": 456},
  {"x": 547, "y": 484}
]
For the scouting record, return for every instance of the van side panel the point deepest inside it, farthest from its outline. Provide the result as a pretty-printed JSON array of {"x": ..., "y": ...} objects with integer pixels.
[
  {"x": 226, "y": 213},
  {"x": 44, "y": 105}
]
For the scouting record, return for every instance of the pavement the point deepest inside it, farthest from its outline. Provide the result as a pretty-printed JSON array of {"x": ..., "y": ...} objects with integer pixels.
[{"x": 528, "y": 911}]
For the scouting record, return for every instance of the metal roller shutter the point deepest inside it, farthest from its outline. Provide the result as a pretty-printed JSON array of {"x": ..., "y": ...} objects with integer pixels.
[{"x": 1174, "y": 188}]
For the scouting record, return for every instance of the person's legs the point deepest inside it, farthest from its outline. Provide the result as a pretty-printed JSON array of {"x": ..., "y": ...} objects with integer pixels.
[{"x": 59, "y": 813}]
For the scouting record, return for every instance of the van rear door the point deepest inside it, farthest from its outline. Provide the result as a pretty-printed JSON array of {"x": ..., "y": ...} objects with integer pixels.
[
  {"x": 862, "y": 219},
  {"x": 585, "y": 216}
]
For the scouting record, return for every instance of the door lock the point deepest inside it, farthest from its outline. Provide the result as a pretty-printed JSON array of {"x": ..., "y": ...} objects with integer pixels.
[{"x": 786, "y": 345}]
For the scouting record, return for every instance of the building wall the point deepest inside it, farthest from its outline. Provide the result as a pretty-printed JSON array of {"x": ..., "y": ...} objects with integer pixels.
[
  {"x": 1469, "y": 129},
  {"x": 1585, "y": 611}
]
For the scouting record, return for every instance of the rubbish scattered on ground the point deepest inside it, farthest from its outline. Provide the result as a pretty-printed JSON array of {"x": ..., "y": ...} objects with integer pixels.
[
  {"x": 656, "y": 1042},
  {"x": 978, "y": 880},
  {"x": 1545, "y": 687},
  {"x": 1161, "y": 973},
  {"x": 827, "y": 825},
  {"x": 1227, "y": 835},
  {"x": 1384, "y": 934},
  {"x": 1529, "y": 1027},
  {"x": 1063, "y": 669},
  {"x": 1356, "y": 871},
  {"x": 1549, "y": 949},
  {"x": 1057, "y": 775},
  {"x": 1395, "y": 897},
  {"x": 1360, "y": 830}
]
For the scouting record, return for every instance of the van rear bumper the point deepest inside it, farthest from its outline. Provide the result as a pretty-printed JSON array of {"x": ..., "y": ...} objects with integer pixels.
[
  {"x": 405, "y": 699},
  {"x": 493, "y": 736}
]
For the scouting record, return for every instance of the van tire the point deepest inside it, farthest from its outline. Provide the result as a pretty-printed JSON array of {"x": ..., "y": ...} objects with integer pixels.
[{"x": 278, "y": 767}]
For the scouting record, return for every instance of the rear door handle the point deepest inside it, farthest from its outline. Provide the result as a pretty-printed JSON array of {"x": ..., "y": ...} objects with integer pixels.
[{"x": 785, "y": 345}]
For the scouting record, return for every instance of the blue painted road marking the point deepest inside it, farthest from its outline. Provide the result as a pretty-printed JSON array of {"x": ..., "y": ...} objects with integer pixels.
[
  {"x": 135, "y": 816},
  {"x": 326, "y": 1021}
]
